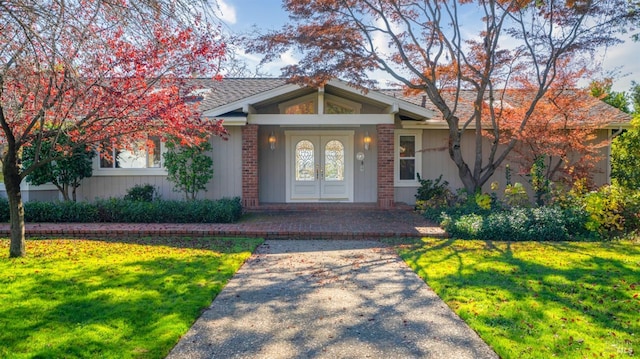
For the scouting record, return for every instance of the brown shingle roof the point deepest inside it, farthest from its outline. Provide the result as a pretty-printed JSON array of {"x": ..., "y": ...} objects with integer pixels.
[
  {"x": 229, "y": 90},
  {"x": 596, "y": 109}
]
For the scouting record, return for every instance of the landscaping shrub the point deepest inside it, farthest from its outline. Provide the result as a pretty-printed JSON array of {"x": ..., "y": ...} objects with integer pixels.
[
  {"x": 127, "y": 211},
  {"x": 159, "y": 211},
  {"x": 520, "y": 224},
  {"x": 141, "y": 193},
  {"x": 4, "y": 210},
  {"x": 613, "y": 210},
  {"x": 65, "y": 211},
  {"x": 433, "y": 193},
  {"x": 484, "y": 216}
]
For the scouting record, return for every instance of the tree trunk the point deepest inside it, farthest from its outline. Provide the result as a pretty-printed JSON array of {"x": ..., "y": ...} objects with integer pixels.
[
  {"x": 455, "y": 152},
  {"x": 16, "y": 208}
]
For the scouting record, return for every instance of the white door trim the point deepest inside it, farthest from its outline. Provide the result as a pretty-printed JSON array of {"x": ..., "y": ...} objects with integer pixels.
[{"x": 349, "y": 162}]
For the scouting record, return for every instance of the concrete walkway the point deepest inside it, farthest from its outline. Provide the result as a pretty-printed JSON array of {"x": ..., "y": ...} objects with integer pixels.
[{"x": 328, "y": 299}]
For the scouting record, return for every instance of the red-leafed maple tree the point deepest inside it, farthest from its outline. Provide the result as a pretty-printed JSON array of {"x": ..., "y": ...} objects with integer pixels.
[
  {"x": 99, "y": 72},
  {"x": 561, "y": 132},
  {"x": 446, "y": 48}
]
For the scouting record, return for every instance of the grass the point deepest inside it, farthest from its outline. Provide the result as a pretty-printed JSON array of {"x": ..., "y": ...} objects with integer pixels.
[
  {"x": 539, "y": 300},
  {"x": 110, "y": 299}
]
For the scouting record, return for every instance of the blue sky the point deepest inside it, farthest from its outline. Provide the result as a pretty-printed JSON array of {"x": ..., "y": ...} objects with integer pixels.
[{"x": 244, "y": 15}]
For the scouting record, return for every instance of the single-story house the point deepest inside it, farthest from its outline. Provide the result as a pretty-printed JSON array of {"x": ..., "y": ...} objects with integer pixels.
[{"x": 293, "y": 144}]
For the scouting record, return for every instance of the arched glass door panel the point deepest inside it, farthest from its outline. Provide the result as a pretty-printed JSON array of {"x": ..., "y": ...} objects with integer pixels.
[
  {"x": 334, "y": 161},
  {"x": 304, "y": 161}
]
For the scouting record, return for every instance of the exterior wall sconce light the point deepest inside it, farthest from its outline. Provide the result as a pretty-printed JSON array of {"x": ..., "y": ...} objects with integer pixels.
[
  {"x": 272, "y": 141},
  {"x": 367, "y": 140}
]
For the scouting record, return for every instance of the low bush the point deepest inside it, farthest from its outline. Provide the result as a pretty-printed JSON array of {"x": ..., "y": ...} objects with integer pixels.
[
  {"x": 520, "y": 224},
  {"x": 433, "y": 193},
  {"x": 225, "y": 210},
  {"x": 200, "y": 211},
  {"x": 66, "y": 211},
  {"x": 4, "y": 210},
  {"x": 141, "y": 193}
]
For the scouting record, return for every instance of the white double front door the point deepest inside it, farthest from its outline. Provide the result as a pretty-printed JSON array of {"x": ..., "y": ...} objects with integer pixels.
[{"x": 319, "y": 166}]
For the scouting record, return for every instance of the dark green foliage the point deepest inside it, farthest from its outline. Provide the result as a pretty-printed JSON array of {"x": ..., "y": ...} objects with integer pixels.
[
  {"x": 66, "y": 171},
  {"x": 226, "y": 210},
  {"x": 66, "y": 211},
  {"x": 141, "y": 193},
  {"x": 4, "y": 210},
  {"x": 539, "y": 181},
  {"x": 189, "y": 167},
  {"x": 159, "y": 211},
  {"x": 433, "y": 194},
  {"x": 625, "y": 156},
  {"x": 520, "y": 224}
]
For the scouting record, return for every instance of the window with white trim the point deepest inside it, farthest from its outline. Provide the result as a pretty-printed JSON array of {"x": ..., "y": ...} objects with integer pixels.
[
  {"x": 139, "y": 158},
  {"x": 408, "y": 157}
]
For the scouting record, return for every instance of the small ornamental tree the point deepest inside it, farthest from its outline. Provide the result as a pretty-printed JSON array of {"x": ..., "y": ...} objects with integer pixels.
[
  {"x": 560, "y": 143},
  {"x": 189, "y": 166},
  {"x": 66, "y": 172}
]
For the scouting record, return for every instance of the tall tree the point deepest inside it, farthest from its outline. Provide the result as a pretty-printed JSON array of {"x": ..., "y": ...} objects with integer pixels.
[
  {"x": 602, "y": 89},
  {"x": 446, "y": 47},
  {"x": 625, "y": 156},
  {"x": 98, "y": 72}
]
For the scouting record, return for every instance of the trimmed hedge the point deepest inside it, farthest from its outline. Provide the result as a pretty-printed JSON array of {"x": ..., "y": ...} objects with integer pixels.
[
  {"x": 226, "y": 210},
  {"x": 521, "y": 224}
]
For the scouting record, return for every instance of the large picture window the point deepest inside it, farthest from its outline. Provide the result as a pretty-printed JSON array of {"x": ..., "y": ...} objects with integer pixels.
[
  {"x": 408, "y": 157},
  {"x": 142, "y": 158}
]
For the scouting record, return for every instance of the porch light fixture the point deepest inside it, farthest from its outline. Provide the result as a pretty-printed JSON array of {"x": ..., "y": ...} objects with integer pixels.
[
  {"x": 272, "y": 141},
  {"x": 367, "y": 140}
]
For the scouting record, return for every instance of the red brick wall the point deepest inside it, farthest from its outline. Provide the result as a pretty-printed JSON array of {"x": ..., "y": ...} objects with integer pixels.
[
  {"x": 250, "y": 166},
  {"x": 385, "y": 165}
]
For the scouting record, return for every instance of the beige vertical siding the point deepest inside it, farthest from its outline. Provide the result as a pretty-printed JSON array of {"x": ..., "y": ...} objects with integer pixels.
[
  {"x": 271, "y": 165},
  {"x": 366, "y": 182},
  {"x": 227, "y": 166},
  {"x": 436, "y": 162},
  {"x": 226, "y": 182}
]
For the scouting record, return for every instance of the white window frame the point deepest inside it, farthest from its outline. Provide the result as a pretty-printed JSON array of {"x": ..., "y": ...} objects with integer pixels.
[
  {"x": 149, "y": 171},
  {"x": 418, "y": 158}
]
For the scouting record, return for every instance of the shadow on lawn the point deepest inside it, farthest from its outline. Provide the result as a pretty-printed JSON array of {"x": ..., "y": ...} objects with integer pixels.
[
  {"x": 582, "y": 285},
  {"x": 135, "y": 308}
]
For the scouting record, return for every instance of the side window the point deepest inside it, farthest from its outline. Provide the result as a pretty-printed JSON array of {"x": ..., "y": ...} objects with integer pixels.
[{"x": 408, "y": 158}]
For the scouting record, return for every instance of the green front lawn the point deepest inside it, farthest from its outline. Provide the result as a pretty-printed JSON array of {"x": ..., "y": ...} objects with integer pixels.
[
  {"x": 73, "y": 298},
  {"x": 539, "y": 300}
]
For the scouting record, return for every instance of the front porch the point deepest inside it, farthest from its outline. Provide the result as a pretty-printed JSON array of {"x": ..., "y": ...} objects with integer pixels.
[{"x": 271, "y": 173}]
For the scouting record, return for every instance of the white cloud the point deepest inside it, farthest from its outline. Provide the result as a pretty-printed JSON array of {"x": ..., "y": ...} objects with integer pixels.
[{"x": 226, "y": 12}]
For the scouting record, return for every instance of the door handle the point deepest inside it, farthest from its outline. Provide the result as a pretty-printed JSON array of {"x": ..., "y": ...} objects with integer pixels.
[{"x": 317, "y": 171}]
